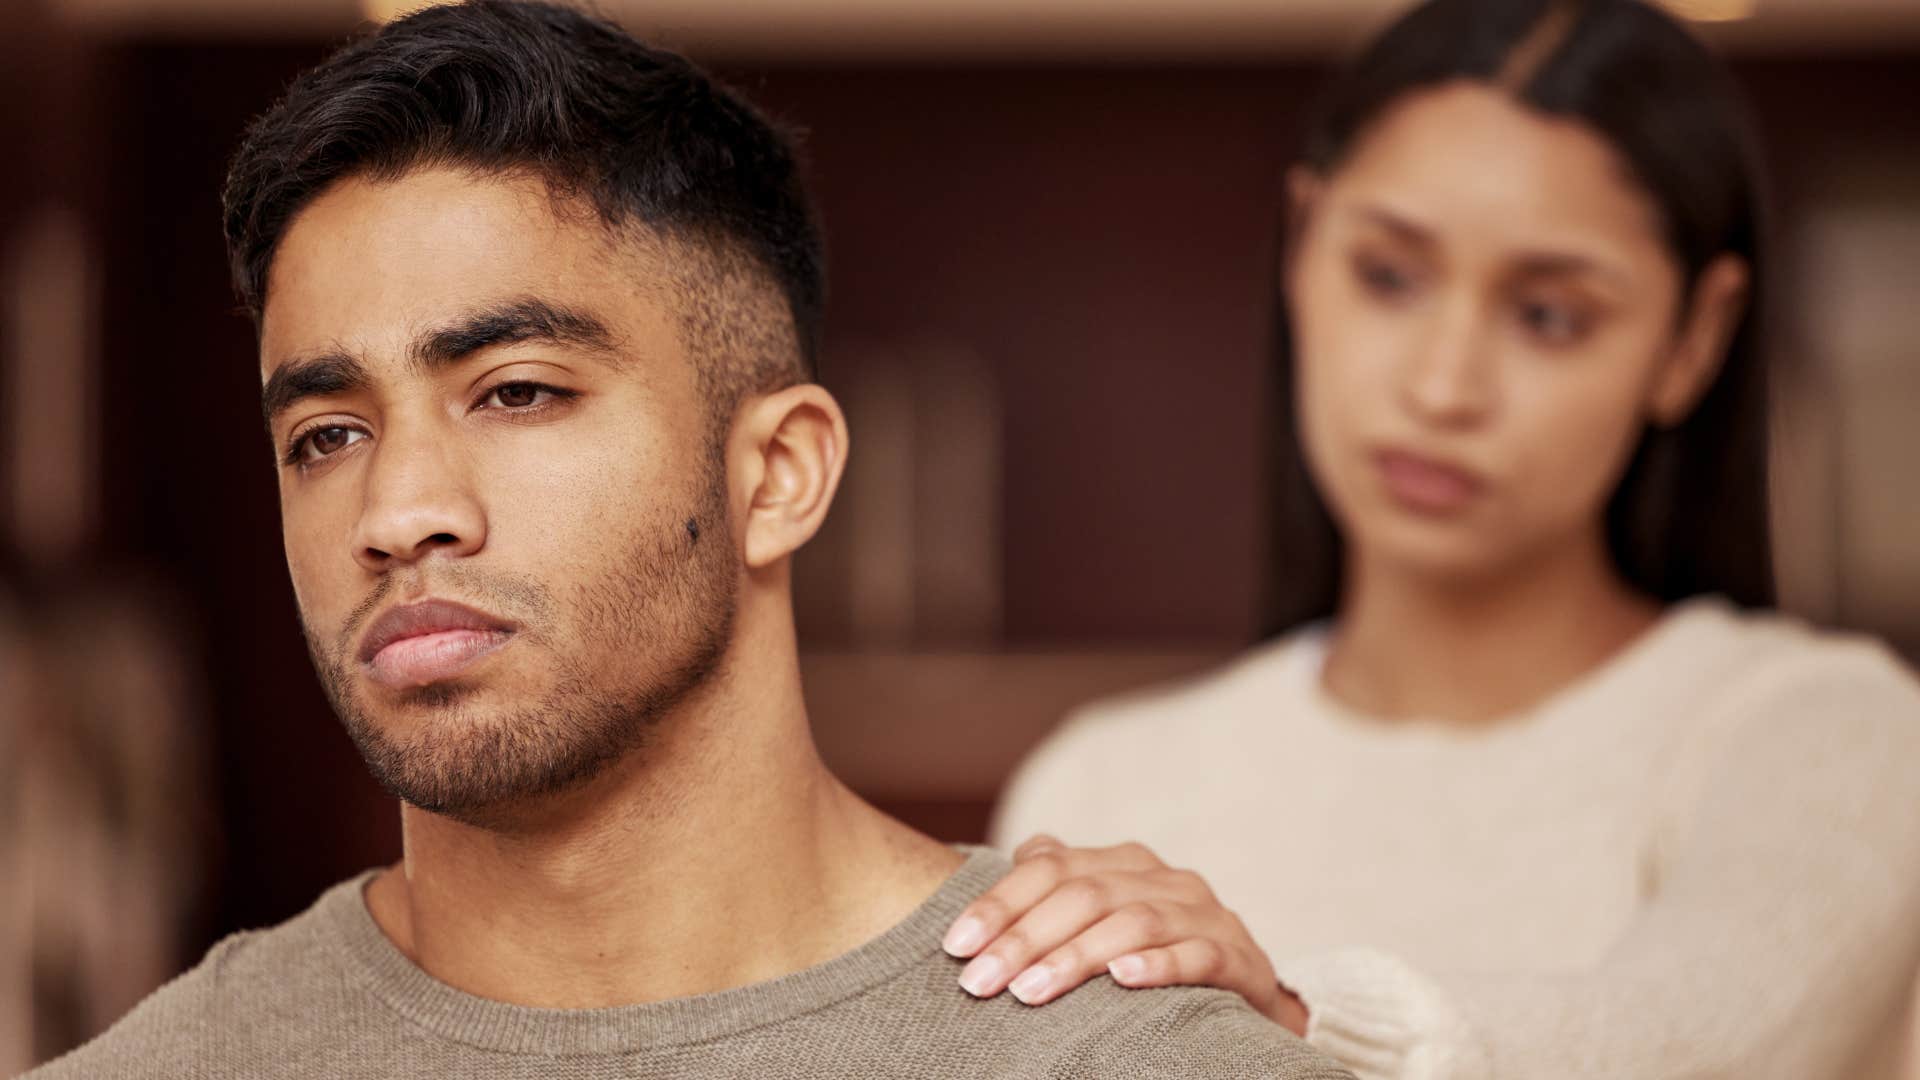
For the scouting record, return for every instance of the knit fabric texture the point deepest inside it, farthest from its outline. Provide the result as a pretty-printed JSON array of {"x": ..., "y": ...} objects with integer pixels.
[
  {"x": 1700, "y": 861},
  {"x": 328, "y": 995}
]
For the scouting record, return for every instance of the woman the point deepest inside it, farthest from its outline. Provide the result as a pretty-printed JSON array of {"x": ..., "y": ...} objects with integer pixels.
[{"x": 1530, "y": 787}]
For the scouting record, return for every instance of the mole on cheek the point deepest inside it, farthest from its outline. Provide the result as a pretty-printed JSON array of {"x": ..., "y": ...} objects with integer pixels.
[{"x": 693, "y": 530}]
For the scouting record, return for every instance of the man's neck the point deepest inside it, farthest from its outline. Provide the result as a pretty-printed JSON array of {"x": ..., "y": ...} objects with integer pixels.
[
  {"x": 721, "y": 854},
  {"x": 1407, "y": 645}
]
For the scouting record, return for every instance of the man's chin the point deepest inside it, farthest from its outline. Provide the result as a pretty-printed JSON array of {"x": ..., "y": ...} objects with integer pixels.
[{"x": 455, "y": 749}]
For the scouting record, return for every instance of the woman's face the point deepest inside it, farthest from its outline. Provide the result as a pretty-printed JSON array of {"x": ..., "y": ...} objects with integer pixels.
[{"x": 1486, "y": 317}]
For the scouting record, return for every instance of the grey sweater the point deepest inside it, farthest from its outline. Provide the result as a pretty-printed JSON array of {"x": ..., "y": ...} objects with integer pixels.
[{"x": 327, "y": 995}]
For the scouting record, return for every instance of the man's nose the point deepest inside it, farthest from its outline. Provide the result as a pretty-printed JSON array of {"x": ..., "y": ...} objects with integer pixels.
[{"x": 418, "y": 501}]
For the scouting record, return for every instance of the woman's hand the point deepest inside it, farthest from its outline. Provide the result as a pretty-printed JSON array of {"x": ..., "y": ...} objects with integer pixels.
[{"x": 1065, "y": 914}]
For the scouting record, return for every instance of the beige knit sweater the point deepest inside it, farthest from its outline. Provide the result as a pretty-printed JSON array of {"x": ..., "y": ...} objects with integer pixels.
[
  {"x": 326, "y": 995},
  {"x": 1701, "y": 861}
]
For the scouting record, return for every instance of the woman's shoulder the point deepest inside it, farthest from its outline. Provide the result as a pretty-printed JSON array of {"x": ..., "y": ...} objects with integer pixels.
[
  {"x": 1254, "y": 683},
  {"x": 1109, "y": 744},
  {"x": 1750, "y": 654},
  {"x": 1769, "y": 688},
  {"x": 1252, "y": 688},
  {"x": 1818, "y": 721}
]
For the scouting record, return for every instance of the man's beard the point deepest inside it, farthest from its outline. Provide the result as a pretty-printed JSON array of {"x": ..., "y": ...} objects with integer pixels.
[{"x": 666, "y": 610}]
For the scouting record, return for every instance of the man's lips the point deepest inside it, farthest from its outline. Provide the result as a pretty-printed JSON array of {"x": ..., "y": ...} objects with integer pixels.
[{"x": 428, "y": 641}]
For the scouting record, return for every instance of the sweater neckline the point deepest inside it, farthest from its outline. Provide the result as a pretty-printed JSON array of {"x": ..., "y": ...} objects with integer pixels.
[
  {"x": 493, "y": 1025},
  {"x": 1679, "y": 621}
]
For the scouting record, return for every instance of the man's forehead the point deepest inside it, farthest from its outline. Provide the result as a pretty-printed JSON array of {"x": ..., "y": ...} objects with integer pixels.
[{"x": 376, "y": 267}]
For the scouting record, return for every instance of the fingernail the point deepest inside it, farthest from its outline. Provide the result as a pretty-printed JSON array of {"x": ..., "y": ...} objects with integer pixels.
[
  {"x": 979, "y": 976},
  {"x": 1127, "y": 969},
  {"x": 1032, "y": 984},
  {"x": 965, "y": 937}
]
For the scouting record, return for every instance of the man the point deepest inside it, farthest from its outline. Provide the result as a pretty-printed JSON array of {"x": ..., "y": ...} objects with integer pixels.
[{"x": 537, "y": 308}]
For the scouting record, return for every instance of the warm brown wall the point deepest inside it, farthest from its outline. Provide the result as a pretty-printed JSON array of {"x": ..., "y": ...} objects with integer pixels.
[
  {"x": 1100, "y": 238},
  {"x": 189, "y": 481}
]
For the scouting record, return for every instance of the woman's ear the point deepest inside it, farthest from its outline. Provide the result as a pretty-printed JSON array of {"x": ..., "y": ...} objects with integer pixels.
[
  {"x": 789, "y": 449},
  {"x": 1303, "y": 198},
  {"x": 1699, "y": 348}
]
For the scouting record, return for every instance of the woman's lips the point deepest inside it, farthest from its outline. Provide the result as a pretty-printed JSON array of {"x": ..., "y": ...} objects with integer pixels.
[
  {"x": 429, "y": 658},
  {"x": 1425, "y": 485}
]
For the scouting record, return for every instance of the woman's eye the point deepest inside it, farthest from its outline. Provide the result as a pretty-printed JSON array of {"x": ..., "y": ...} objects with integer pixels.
[
  {"x": 1556, "y": 323},
  {"x": 1382, "y": 278}
]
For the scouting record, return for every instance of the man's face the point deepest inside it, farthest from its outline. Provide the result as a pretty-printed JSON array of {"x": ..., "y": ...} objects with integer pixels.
[{"x": 505, "y": 519}]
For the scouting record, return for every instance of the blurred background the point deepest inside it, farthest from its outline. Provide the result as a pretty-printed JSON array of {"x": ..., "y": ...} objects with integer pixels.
[{"x": 1050, "y": 225}]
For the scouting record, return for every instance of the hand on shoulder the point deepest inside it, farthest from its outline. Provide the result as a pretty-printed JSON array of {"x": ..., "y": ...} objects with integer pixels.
[{"x": 1065, "y": 915}]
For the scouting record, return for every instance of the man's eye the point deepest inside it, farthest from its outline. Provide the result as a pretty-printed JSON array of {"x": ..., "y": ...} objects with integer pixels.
[
  {"x": 322, "y": 442},
  {"x": 520, "y": 395}
]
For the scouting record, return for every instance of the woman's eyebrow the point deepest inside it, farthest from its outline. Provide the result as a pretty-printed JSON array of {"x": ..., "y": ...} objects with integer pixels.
[
  {"x": 1566, "y": 264},
  {"x": 1400, "y": 225},
  {"x": 1545, "y": 262}
]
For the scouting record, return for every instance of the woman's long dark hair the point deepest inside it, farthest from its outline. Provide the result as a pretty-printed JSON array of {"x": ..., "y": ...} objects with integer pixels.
[{"x": 1690, "y": 514}]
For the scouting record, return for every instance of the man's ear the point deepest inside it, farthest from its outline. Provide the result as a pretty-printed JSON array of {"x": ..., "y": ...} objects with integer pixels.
[
  {"x": 788, "y": 451},
  {"x": 1700, "y": 346}
]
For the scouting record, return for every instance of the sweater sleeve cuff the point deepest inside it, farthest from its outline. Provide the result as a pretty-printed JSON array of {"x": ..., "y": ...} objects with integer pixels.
[{"x": 1379, "y": 1017}]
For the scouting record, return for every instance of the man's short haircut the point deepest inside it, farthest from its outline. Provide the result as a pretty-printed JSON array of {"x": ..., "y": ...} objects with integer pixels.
[{"x": 639, "y": 135}]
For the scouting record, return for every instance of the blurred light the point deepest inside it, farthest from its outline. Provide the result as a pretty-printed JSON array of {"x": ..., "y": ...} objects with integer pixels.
[
  {"x": 388, "y": 10},
  {"x": 1001, "y": 30},
  {"x": 48, "y": 307},
  {"x": 1712, "y": 10}
]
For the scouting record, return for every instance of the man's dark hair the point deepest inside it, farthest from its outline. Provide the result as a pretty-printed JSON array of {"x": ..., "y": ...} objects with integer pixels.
[{"x": 506, "y": 87}]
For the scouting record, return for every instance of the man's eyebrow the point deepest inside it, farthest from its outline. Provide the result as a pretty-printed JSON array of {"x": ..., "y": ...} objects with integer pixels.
[
  {"x": 520, "y": 319},
  {"x": 313, "y": 376},
  {"x": 525, "y": 318}
]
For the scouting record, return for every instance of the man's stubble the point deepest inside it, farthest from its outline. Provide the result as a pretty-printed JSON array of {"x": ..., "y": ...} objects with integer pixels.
[{"x": 661, "y": 617}]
